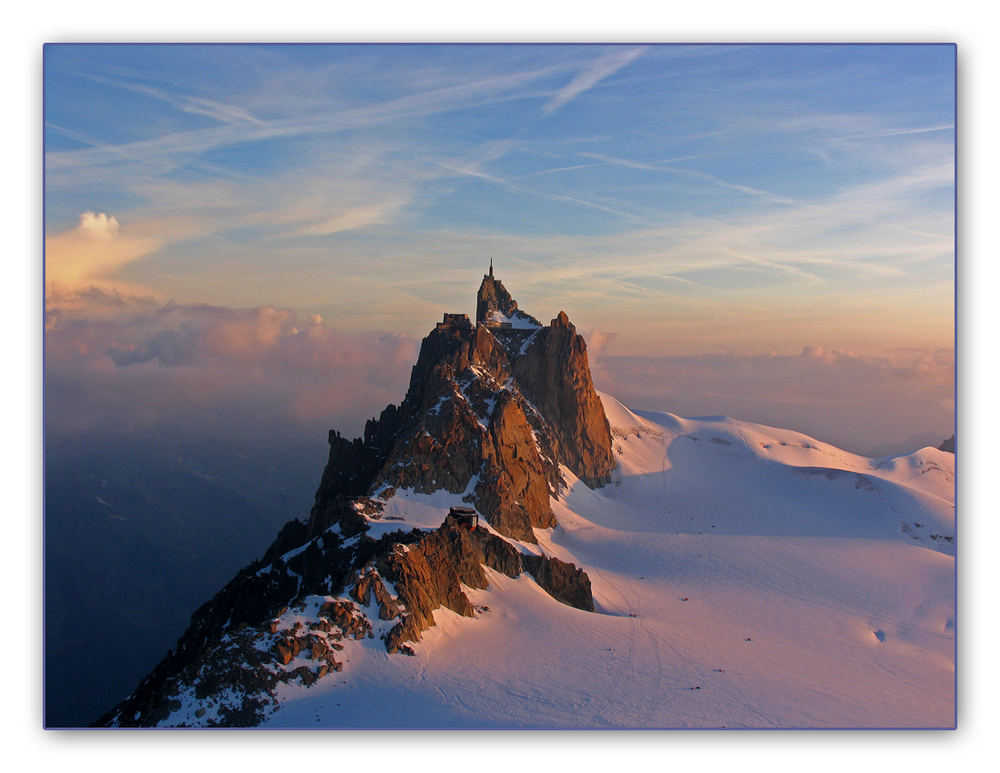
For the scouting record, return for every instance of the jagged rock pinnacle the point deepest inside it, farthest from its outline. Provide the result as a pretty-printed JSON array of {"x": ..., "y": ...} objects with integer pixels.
[{"x": 496, "y": 407}]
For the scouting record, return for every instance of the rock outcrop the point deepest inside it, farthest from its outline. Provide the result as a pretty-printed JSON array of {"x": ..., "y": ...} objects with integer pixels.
[{"x": 429, "y": 575}]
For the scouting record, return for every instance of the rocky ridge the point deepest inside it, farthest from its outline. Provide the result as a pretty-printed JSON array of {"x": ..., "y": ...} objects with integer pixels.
[
  {"x": 287, "y": 620},
  {"x": 492, "y": 411}
]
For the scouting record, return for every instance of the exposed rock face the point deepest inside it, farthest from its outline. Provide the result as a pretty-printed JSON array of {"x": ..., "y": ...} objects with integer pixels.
[
  {"x": 562, "y": 581},
  {"x": 428, "y": 576},
  {"x": 222, "y": 649},
  {"x": 515, "y": 482},
  {"x": 554, "y": 373},
  {"x": 948, "y": 445},
  {"x": 490, "y": 413}
]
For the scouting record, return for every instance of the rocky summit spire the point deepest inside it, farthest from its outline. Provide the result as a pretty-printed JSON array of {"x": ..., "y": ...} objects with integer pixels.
[
  {"x": 494, "y": 305},
  {"x": 491, "y": 412}
]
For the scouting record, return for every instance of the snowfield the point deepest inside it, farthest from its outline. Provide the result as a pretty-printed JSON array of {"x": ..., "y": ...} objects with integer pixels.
[{"x": 744, "y": 576}]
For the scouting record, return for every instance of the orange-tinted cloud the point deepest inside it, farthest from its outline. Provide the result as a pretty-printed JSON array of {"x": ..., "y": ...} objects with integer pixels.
[{"x": 91, "y": 252}]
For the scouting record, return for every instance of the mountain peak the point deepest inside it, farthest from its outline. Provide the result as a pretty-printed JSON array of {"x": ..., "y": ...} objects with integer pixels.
[
  {"x": 491, "y": 412},
  {"x": 493, "y": 415},
  {"x": 496, "y": 308}
]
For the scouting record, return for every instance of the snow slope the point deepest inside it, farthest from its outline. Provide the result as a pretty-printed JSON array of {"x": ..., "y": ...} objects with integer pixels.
[{"x": 744, "y": 576}]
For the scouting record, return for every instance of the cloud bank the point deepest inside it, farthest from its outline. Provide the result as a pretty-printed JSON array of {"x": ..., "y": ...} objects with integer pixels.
[
  {"x": 855, "y": 402},
  {"x": 118, "y": 363}
]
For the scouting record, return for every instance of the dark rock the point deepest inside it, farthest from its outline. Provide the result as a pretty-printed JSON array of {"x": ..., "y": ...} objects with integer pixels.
[
  {"x": 388, "y": 610},
  {"x": 429, "y": 575},
  {"x": 362, "y": 590},
  {"x": 317, "y": 647},
  {"x": 498, "y": 554},
  {"x": 306, "y": 674},
  {"x": 562, "y": 581},
  {"x": 292, "y": 534},
  {"x": 347, "y": 618}
]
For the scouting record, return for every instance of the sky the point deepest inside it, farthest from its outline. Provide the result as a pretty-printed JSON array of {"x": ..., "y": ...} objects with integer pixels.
[{"x": 763, "y": 231}]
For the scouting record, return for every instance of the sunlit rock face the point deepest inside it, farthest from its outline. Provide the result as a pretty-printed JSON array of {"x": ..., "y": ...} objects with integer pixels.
[
  {"x": 491, "y": 412},
  {"x": 555, "y": 375}
]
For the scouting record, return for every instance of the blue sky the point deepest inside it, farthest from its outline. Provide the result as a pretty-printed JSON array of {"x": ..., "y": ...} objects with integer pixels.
[
  {"x": 704, "y": 181},
  {"x": 770, "y": 219}
]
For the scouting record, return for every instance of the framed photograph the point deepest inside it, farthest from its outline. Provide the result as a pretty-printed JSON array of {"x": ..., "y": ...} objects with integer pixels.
[{"x": 509, "y": 386}]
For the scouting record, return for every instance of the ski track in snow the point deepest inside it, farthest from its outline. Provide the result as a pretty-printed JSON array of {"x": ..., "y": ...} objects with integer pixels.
[{"x": 743, "y": 576}]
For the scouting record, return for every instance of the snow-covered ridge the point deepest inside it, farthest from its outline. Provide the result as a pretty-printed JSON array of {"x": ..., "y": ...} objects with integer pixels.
[
  {"x": 743, "y": 575},
  {"x": 733, "y": 476}
]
